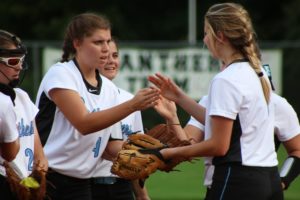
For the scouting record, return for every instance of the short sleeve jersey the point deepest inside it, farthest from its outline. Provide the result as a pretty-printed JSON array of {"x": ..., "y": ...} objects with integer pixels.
[
  {"x": 25, "y": 112},
  {"x": 236, "y": 93},
  {"x": 8, "y": 128},
  {"x": 131, "y": 124},
  {"x": 286, "y": 120},
  {"x": 68, "y": 151}
]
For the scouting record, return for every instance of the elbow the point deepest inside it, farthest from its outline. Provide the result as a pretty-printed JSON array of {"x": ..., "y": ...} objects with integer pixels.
[
  {"x": 9, "y": 151},
  {"x": 10, "y": 158},
  {"x": 220, "y": 151}
]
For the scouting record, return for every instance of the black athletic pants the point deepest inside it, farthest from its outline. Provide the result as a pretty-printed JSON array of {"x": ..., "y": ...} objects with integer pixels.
[
  {"x": 62, "y": 187},
  {"x": 236, "y": 182},
  {"x": 5, "y": 192},
  {"x": 118, "y": 189}
]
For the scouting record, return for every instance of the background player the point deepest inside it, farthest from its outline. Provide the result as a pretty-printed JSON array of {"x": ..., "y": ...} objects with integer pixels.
[{"x": 106, "y": 185}]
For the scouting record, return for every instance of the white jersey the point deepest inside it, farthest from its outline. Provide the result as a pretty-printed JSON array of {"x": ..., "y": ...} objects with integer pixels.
[
  {"x": 286, "y": 127},
  {"x": 25, "y": 112},
  {"x": 208, "y": 167},
  {"x": 236, "y": 93},
  {"x": 131, "y": 124},
  {"x": 68, "y": 151},
  {"x": 286, "y": 120},
  {"x": 8, "y": 118}
]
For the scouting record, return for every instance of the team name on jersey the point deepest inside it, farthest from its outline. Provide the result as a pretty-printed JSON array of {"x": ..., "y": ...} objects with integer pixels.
[
  {"x": 25, "y": 129},
  {"x": 126, "y": 129}
]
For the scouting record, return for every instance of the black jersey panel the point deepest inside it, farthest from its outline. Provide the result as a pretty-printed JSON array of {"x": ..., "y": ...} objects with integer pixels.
[
  {"x": 44, "y": 118},
  {"x": 234, "y": 152}
]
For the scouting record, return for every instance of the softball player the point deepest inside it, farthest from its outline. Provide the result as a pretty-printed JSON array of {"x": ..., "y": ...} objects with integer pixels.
[
  {"x": 78, "y": 112},
  {"x": 287, "y": 131},
  {"x": 107, "y": 185},
  {"x": 19, "y": 110},
  {"x": 239, "y": 117}
]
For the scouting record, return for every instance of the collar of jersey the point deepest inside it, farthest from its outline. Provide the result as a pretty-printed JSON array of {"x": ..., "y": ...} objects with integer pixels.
[
  {"x": 9, "y": 91},
  {"x": 91, "y": 89}
]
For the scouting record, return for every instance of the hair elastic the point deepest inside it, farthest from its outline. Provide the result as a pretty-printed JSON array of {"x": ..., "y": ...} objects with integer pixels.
[{"x": 260, "y": 74}]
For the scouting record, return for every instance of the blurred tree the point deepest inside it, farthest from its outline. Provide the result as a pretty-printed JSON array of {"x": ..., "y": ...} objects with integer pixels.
[{"x": 160, "y": 20}]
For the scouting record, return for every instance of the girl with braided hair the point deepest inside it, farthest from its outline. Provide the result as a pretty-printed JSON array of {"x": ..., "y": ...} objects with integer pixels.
[{"x": 239, "y": 113}]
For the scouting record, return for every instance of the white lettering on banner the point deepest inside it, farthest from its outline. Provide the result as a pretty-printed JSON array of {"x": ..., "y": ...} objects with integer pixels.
[{"x": 191, "y": 68}]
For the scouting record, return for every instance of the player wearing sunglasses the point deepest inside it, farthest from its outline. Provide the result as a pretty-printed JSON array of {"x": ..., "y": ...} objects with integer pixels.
[
  {"x": 12, "y": 62},
  {"x": 17, "y": 117}
]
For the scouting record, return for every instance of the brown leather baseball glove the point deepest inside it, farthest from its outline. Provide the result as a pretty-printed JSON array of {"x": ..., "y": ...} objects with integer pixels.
[{"x": 32, "y": 187}]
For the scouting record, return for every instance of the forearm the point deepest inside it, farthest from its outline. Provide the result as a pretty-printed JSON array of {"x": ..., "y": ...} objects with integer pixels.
[
  {"x": 201, "y": 149},
  {"x": 192, "y": 107},
  {"x": 100, "y": 120},
  {"x": 39, "y": 155},
  {"x": 112, "y": 149},
  {"x": 139, "y": 192},
  {"x": 174, "y": 125}
]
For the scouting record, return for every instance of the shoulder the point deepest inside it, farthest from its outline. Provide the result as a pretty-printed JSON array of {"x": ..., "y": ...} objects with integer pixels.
[
  {"x": 5, "y": 101},
  {"x": 61, "y": 68},
  {"x": 21, "y": 92},
  {"x": 203, "y": 101},
  {"x": 125, "y": 93},
  {"x": 108, "y": 83},
  {"x": 6, "y": 106},
  {"x": 281, "y": 104}
]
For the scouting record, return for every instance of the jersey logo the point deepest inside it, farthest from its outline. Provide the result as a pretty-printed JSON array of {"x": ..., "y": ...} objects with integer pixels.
[{"x": 92, "y": 90}]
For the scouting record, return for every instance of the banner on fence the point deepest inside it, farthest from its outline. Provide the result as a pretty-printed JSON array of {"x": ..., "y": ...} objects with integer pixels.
[{"x": 191, "y": 68}]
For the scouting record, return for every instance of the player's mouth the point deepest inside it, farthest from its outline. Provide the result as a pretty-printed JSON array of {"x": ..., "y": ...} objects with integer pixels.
[
  {"x": 110, "y": 68},
  {"x": 104, "y": 59}
]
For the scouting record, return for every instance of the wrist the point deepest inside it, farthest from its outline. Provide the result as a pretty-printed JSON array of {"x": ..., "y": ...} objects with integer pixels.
[{"x": 173, "y": 121}]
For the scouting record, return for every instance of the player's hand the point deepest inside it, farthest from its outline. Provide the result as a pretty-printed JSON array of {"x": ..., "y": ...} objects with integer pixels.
[
  {"x": 166, "y": 108},
  {"x": 145, "y": 98},
  {"x": 167, "y": 87}
]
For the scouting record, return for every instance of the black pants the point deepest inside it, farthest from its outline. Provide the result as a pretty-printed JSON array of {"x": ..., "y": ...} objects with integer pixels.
[
  {"x": 62, "y": 187},
  {"x": 5, "y": 192},
  {"x": 120, "y": 189},
  {"x": 235, "y": 182}
]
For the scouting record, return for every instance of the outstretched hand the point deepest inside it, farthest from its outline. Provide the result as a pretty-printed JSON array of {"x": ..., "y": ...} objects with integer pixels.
[
  {"x": 145, "y": 98},
  {"x": 167, "y": 87}
]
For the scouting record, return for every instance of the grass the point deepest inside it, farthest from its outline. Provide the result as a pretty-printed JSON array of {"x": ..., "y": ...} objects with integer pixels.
[{"x": 188, "y": 183}]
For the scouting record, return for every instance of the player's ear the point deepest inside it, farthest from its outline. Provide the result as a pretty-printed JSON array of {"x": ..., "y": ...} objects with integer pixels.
[
  {"x": 221, "y": 37},
  {"x": 76, "y": 43}
]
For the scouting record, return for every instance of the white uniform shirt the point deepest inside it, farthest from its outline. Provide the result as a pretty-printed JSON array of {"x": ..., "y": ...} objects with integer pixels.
[
  {"x": 68, "y": 151},
  {"x": 131, "y": 124},
  {"x": 286, "y": 127},
  {"x": 8, "y": 128},
  {"x": 208, "y": 167},
  {"x": 237, "y": 91},
  {"x": 286, "y": 120},
  {"x": 25, "y": 111}
]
